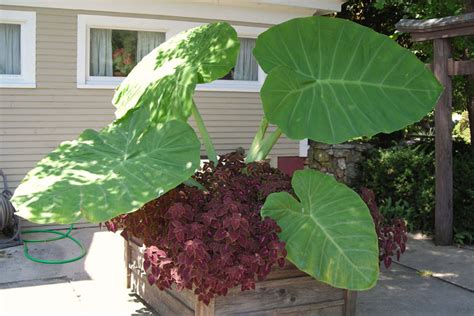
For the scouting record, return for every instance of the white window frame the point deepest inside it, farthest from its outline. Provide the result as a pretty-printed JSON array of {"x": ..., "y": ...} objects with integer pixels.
[
  {"x": 303, "y": 148},
  {"x": 86, "y": 22},
  {"x": 170, "y": 28},
  {"x": 27, "y": 77}
]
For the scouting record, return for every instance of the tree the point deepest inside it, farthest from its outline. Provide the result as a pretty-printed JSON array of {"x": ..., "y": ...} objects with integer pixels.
[{"x": 382, "y": 15}]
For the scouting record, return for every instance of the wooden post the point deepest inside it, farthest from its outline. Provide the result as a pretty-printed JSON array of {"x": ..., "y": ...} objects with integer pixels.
[
  {"x": 444, "y": 147},
  {"x": 127, "y": 257},
  {"x": 440, "y": 31},
  {"x": 350, "y": 299}
]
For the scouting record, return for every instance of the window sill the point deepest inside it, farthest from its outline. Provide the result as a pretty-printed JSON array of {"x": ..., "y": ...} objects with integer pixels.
[
  {"x": 216, "y": 86},
  {"x": 99, "y": 82},
  {"x": 106, "y": 86},
  {"x": 220, "y": 86},
  {"x": 18, "y": 85}
]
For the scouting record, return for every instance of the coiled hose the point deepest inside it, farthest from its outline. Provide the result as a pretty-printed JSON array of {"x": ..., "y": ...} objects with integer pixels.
[
  {"x": 61, "y": 236},
  {"x": 9, "y": 221}
]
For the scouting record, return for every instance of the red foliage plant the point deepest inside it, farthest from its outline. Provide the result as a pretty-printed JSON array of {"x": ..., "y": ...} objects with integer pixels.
[
  {"x": 211, "y": 241},
  {"x": 392, "y": 237}
]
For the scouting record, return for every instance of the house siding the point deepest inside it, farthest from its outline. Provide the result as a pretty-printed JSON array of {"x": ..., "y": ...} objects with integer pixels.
[{"x": 35, "y": 121}]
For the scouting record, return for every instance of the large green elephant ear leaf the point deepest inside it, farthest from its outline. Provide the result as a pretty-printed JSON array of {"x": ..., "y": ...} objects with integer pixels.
[
  {"x": 165, "y": 79},
  {"x": 329, "y": 232},
  {"x": 108, "y": 173},
  {"x": 332, "y": 80},
  {"x": 147, "y": 151}
]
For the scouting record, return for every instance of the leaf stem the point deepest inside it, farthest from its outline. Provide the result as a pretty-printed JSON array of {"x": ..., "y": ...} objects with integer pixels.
[
  {"x": 261, "y": 145},
  {"x": 254, "y": 148},
  {"x": 210, "y": 149}
]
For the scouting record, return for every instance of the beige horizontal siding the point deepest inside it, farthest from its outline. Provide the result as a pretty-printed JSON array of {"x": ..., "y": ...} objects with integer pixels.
[{"x": 35, "y": 121}]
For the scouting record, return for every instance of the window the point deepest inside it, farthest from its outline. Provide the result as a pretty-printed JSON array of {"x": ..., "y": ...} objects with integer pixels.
[
  {"x": 10, "y": 36},
  {"x": 246, "y": 76},
  {"x": 246, "y": 67},
  {"x": 109, "y": 47},
  {"x": 17, "y": 49},
  {"x": 114, "y": 53}
]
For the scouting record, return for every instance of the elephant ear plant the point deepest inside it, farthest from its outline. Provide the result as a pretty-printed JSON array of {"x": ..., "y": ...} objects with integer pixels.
[
  {"x": 147, "y": 151},
  {"x": 328, "y": 80},
  {"x": 331, "y": 80}
]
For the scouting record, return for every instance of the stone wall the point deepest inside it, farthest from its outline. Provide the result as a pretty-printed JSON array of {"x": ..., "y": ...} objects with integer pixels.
[{"x": 339, "y": 160}]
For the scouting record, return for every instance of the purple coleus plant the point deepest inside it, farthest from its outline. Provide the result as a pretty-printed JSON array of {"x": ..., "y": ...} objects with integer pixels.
[
  {"x": 212, "y": 240},
  {"x": 392, "y": 236}
]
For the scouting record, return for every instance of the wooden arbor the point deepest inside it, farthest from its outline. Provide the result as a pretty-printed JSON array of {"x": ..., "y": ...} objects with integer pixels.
[{"x": 440, "y": 31}]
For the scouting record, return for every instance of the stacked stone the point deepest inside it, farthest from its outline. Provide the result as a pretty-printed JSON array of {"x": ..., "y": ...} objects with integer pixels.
[{"x": 339, "y": 160}]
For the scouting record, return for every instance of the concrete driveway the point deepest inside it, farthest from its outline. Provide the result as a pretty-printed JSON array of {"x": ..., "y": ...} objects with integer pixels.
[
  {"x": 429, "y": 280},
  {"x": 96, "y": 284}
]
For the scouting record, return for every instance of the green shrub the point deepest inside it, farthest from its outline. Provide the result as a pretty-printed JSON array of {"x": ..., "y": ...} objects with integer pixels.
[
  {"x": 461, "y": 128},
  {"x": 403, "y": 180},
  {"x": 402, "y": 175},
  {"x": 463, "y": 197},
  {"x": 399, "y": 209}
]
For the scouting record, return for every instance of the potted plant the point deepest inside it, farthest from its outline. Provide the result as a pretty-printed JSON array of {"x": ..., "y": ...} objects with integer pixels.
[
  {"x": 123, "y": 62},
  {"x": 328, "y": 80}
]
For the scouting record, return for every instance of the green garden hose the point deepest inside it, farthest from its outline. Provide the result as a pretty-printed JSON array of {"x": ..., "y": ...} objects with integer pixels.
[
  {"x": 61, "y": 236},
  {"x": 8, "y": 219}
]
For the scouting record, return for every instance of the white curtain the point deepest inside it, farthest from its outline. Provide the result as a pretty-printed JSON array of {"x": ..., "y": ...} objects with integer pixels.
[
  {"x": 10, "y": 54},
  {"x": 147, "y": 41},
  {"x": 246, "y": 67},
  {"x": 101, "y": 53}
]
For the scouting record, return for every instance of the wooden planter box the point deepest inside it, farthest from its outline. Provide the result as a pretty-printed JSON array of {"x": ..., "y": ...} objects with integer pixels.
[{"x": 286, "y": 291}]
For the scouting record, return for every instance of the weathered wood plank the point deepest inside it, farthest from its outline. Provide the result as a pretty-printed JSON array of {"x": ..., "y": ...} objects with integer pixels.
[
  {"x": 446, "y": 27},
  {"x": 286, "y": 291},
  {"x": 128, "y": 259},
  {"x": 288, "y": 271},
  {"x": 350, "y": 300},
  {"x": 434, "y": 34},
  {"x": 458, "y": 67},
  {"x": 165, "y": 302},
  {"x": 276, "y": 294},
  {"x": 204, "y": 310},
  {"x": 186, "y": 296},
  {"x": 162, "y": 301},
  {"x": 443, "y": 145},
  {"x": 320, "y": 309}
]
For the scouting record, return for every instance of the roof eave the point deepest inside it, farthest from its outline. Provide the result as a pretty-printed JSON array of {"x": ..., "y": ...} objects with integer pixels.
[{"x": 250, "y": 11}]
